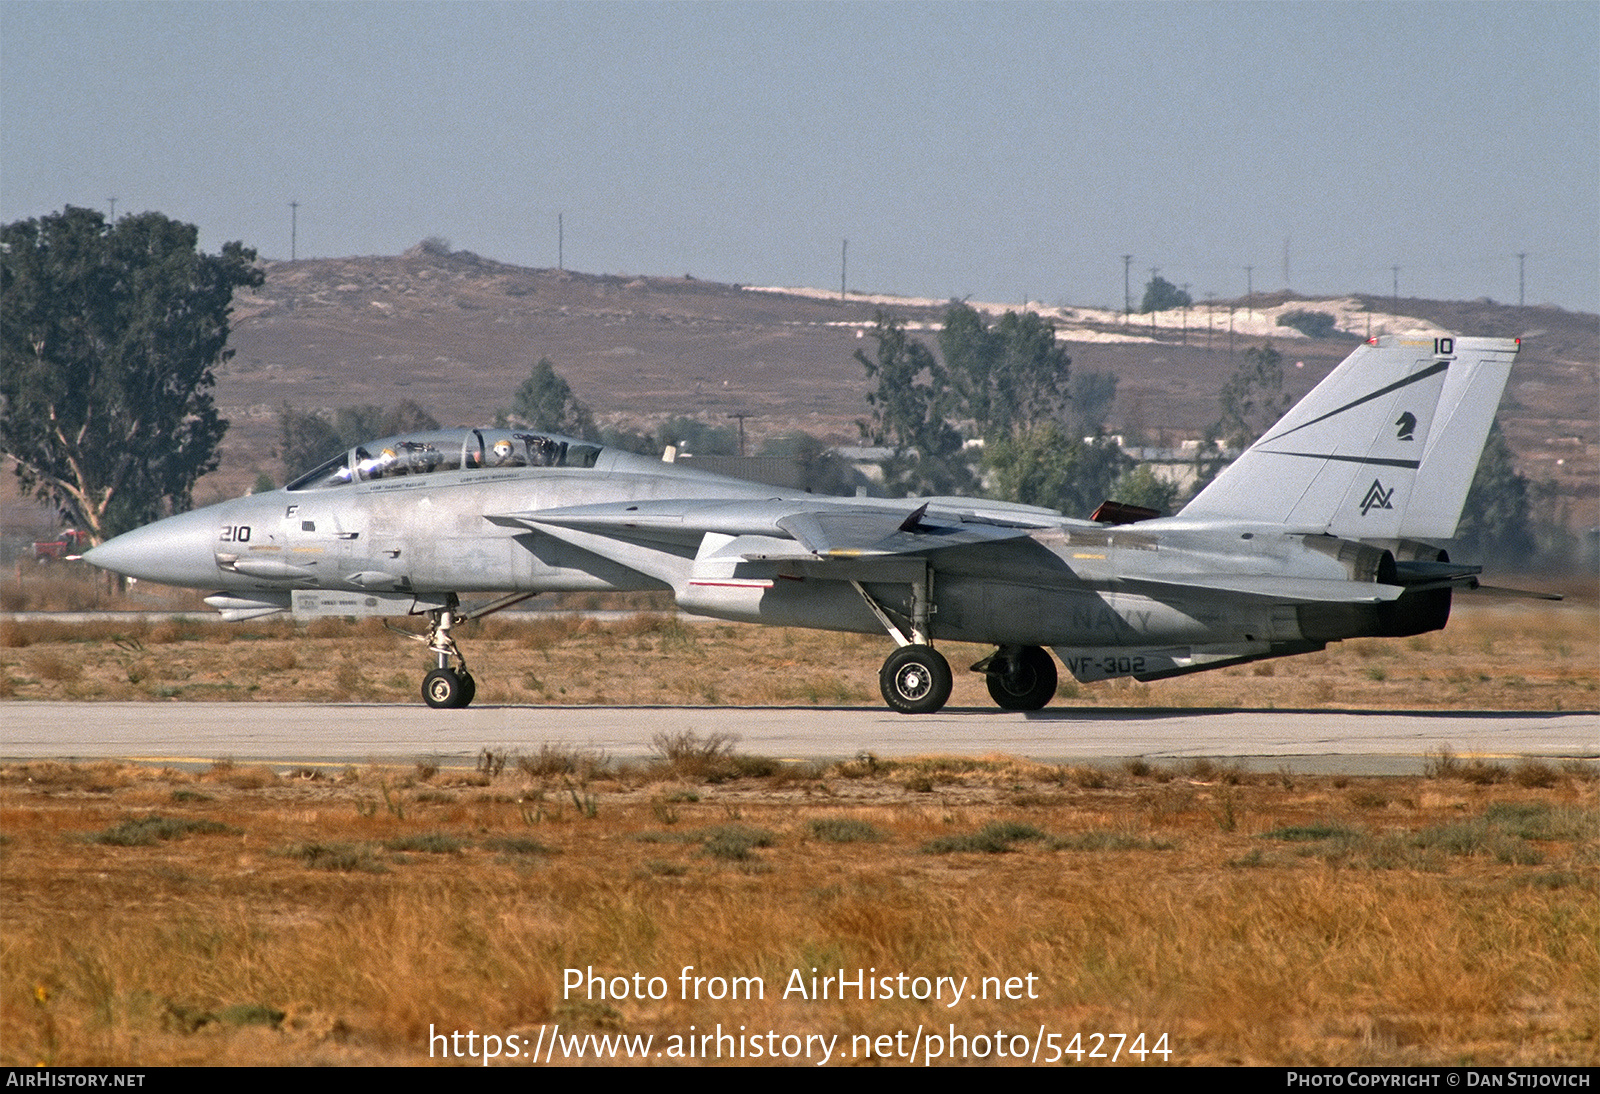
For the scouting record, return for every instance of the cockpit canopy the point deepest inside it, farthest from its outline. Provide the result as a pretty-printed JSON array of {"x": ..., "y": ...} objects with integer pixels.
[{"x": 448, "y": 450}]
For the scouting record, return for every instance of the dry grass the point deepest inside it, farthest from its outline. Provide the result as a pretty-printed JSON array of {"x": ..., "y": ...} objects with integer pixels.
[
  {"x": 1496, "y": 657},
  {"x": 307, "y": 919}
]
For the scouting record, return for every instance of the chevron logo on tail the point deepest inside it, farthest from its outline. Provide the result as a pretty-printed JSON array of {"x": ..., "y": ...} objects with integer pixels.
[{"x": 1376, "y": 497}]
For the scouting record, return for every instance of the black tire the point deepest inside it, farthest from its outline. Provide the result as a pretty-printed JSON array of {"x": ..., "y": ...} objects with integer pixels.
[
  {"x": 915, "y": 680},
  {"x": 444, "y": 689},
  {"x": 1029, "y": 686}
]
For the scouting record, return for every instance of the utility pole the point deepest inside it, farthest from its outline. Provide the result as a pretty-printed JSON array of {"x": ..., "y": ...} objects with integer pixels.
[
  {"x": 294, "y": 227},
  {"x": 1127, "y": 293},
  {"x": 844, "y": 266},
  {"x": 1153, "y": 271},
  {"x": 741, "y": 418},
  {"x": 1249, "y": 295},
  {"x": 1396, "y": 270},
  {"x": 1522, "y": 261},
  {"x": 1186, "y": 313}
]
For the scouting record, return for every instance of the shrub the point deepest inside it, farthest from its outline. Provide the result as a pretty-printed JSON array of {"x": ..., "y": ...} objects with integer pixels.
[
  {"x": 735, "y": 841},
  {"x": 343, "y": 857},
  {"x": 1307, "y": 833},
  {"x": 433, "y": 843},
  {"x": 1312, "y": 324},
  {"x": 993, "y": 839},
  {"x": 147, "y": 831},
  {"x": 845, "y": 830}
]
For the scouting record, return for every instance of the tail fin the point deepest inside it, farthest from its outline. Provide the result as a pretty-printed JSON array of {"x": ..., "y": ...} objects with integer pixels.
[{"x": 1385, "y": 447}]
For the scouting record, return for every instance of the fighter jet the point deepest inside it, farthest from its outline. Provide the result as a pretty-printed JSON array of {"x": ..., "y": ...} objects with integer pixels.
[{"x": 1317, "y": 533}]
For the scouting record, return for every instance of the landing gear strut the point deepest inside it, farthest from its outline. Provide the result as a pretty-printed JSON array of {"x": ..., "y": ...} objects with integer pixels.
[
  {"x": 445, "y": 687},
  {"x": 915, "y": 678},
  {"x": 448, "y": 684}
]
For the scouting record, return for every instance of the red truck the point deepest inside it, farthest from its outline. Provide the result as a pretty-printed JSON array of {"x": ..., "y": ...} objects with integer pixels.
[{"x": 69, "y": 543}]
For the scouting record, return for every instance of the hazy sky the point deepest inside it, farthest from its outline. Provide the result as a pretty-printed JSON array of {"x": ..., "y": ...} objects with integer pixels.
[{"x": 996, "y": 150}]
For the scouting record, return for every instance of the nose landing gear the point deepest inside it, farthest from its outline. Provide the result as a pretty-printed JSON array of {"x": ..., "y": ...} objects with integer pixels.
[
  {"x": 449, "y": 686},
  {"x": 446, "y": 687}
]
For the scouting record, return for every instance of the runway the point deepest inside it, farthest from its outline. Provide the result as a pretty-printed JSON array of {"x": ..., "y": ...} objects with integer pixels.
[{"x": 1348, "y": 742}]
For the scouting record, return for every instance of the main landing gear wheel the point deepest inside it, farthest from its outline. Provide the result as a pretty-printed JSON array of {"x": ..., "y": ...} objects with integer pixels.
[
  {"x": 1029, "y": 683},
  {"x": 448, "y": 689},
  {"x": 915, "y": 679}
]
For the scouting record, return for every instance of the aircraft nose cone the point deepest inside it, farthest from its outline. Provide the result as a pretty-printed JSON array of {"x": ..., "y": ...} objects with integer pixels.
[{"x": 177, "y": 551}]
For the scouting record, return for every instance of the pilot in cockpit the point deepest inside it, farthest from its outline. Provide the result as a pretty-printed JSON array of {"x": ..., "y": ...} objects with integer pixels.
[
  {"x": 375, "y": 467},
  {"x": 544, "y": 451}
]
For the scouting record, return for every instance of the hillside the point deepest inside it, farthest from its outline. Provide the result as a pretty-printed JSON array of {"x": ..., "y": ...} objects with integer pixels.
[{"x": 457, "y": 333}]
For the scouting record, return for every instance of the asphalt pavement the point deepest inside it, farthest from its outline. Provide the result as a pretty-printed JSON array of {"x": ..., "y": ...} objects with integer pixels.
[{"x": 1307, "y": 741}]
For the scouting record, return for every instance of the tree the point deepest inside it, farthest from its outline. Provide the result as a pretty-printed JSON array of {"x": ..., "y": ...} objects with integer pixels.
[
  {"x": 910, "y": 413},
  {"x": 821, "y": 468},
  {"x": 1141, "y": 486},
  {"x": 1162, "y": 295},
  {"x": 1495, "y": 522},
  {"x": 108, "y": 339},
  {"x": 545, "y": 401},
  {"x": 1252, "y": 399},
  {"x": 1312, "y": 324},
  {"x": 1009, "y": 378},
  {"x": 1093, "y": 394},
  {"x": 1045, "y": 466},
  {"x": 307, "y": 438},
  {"x": 406, "y": 416}
]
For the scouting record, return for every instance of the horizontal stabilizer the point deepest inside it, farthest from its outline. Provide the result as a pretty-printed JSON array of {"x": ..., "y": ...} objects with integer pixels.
[{"x": 1509, "y": 594}]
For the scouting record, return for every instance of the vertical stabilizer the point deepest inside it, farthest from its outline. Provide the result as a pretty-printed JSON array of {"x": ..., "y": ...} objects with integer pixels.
[
  {"x": 1386, "y": 446},
  {"x": 1461, "y": 425}
]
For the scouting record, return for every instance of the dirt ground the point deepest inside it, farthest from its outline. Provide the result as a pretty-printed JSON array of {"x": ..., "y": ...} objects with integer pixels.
[
  {"x": 1493, "y": 655},
  {"x": 565, "y": 906}
]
